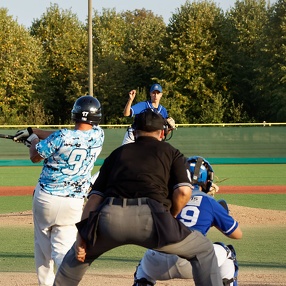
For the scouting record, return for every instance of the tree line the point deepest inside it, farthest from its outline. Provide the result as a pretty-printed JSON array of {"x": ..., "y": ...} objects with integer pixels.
[{"x": 214, "y": 66}]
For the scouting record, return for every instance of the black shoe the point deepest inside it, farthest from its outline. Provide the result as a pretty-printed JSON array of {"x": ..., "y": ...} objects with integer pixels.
[{"x": 143, "y": 282}]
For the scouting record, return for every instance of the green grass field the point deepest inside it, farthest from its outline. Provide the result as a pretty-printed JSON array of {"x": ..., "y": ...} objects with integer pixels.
[
  {"x": 23, "y": 176},
  {"x": 16, "y": 249},
  {"x": 253, "y": 250},
  {"x": 272, "y": 202},
  {"x": 230, "y": 175}
]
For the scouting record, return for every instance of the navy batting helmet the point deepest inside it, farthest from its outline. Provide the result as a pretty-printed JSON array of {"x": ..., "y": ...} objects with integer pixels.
[{"x": 86, "y": 109}]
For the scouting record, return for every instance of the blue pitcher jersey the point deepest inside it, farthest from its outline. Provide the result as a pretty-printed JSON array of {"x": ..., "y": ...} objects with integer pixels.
[{"x": 140, "y": 106}]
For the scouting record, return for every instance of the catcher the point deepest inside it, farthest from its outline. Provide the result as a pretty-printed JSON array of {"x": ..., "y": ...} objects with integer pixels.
[
  {"x": 156, "y": 93},
  {"x": 200, "y": 213}
]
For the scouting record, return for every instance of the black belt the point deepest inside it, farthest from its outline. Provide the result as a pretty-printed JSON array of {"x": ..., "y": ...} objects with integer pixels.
[{"x": 127, "y": 202}]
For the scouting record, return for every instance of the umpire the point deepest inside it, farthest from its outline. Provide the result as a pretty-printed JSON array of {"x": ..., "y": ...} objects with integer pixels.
[{"x": 130, "y": 203}]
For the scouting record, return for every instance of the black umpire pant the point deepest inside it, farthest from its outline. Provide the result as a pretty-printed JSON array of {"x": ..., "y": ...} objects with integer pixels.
[{"x": 143, "y": 222}]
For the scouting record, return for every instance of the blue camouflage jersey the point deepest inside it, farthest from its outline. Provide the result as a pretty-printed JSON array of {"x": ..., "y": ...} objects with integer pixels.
[
  {"x": 140, "y": 106},
  {"x": 69, "y": 157},
  {"x": 203, "y": 211}
]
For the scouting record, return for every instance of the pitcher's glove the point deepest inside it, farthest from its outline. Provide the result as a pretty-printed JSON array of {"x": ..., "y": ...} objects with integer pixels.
[
  {"x": 171, "y": 123},
  {"x": 22, "y": 135},
  {"x": 213, "y": 189}
]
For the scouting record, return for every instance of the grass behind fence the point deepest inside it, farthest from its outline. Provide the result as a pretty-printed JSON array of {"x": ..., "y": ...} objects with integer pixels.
[
  {"x": 230, "y": 175},
  {"x": 208, "y": 141}
]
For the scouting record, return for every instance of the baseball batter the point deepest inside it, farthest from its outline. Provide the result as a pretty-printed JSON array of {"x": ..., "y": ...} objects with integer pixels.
[
  {"x": 200, "y": 213},
  {"x": 69, "y": 157}
]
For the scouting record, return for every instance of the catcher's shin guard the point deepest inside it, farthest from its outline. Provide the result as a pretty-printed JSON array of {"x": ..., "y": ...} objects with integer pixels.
[
  {"x": 231, "y": 254},
  {"x": 233, "y": 258}
]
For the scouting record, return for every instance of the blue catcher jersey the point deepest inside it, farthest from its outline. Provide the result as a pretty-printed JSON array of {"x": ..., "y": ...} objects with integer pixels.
[
  {"x": 140, "y": 106},
  {"x": 203, "y": 211},
  {"x": 69, "y": 157}
]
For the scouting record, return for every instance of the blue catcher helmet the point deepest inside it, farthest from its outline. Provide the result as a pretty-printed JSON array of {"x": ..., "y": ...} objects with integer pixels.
[{"x": 202, "y": 173}]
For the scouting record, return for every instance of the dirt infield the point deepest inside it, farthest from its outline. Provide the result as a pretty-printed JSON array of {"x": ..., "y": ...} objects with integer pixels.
[
  {"x": 246, "y": 278},
  {"x": 254, "y": 277}
]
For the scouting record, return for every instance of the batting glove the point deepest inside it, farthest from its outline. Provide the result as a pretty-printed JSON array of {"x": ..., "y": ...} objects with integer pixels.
[
  {"x": 22, "y": 135},
  {"x": 28, "y": 141}
]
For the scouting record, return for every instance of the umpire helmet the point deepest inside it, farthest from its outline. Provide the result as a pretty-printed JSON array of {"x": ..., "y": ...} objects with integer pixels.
[
  {"x": 86, "y": 109},
  {"x": 149, "y": 120},
  {"x": 202, "y": 173}
]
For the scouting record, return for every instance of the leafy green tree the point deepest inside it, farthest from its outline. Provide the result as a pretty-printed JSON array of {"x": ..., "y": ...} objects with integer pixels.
[
  {"x": 190, "y": 65},
  {"x": 272, "y": 78},
  {"x": 65, "y": 75},
  {"x": 143, "y": 46},
  {"x": 19, "y": 68},
  {"x": 232, "y": 111},
  {"x": 126, "y": 47},
  {"x": 110, "y": 72},
  {"x": 213, "y": 66},
  {"x": 247, "y": 20}
]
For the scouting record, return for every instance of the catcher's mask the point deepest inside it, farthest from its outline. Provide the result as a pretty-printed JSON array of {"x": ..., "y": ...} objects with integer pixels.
[{"x": 202, "y": 173}]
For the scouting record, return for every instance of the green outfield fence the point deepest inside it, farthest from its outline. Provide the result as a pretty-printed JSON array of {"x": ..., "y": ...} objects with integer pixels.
[{"x": 256, "y": 143}]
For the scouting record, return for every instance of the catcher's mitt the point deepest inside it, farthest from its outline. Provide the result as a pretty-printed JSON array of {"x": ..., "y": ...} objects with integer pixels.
[
  {"x": 171, "y": 123},
  {"x": 213, "y": 189}
]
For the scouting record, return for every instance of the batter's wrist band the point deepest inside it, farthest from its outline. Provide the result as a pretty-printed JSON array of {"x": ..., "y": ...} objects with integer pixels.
[{"x": 32, "y": 137}]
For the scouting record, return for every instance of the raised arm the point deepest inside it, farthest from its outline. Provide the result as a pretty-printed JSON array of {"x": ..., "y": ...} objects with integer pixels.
[{"x": 126, "y": 111}]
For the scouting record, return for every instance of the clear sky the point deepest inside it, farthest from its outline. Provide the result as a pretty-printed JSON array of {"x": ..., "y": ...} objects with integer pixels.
[{"x": 24, "y": 11}]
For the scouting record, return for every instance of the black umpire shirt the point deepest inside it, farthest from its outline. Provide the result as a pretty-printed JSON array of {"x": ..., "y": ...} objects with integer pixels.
[{"x": 142, "y": 169}]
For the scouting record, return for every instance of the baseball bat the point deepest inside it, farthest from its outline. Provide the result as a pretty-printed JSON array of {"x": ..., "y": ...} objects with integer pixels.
[{"x": 5, "y": 136}]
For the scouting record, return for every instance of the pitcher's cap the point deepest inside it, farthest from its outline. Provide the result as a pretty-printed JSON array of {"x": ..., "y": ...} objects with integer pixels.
[{"x": 156, "y": 86}]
